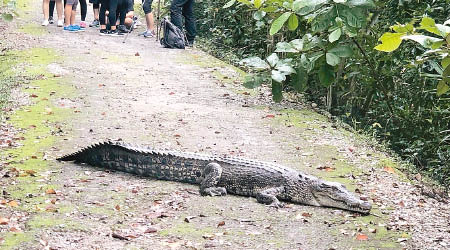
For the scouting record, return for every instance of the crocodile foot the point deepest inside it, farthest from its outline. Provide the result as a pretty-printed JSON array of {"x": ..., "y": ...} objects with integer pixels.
[{"x": 214, "y": 191}]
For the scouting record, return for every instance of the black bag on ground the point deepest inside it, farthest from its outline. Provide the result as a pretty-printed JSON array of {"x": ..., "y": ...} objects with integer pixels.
[{"x": 173, "y": 37}]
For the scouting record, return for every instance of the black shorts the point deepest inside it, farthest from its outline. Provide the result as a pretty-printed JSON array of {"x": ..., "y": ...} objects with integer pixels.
[{"x": 147, "y": 6}]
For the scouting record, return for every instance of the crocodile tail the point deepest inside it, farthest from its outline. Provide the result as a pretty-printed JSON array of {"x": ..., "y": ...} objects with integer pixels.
[{"x": 91, "y": 154}]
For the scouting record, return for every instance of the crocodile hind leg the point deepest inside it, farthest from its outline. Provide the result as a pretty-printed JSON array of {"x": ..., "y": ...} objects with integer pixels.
[
  {"x": 212, "y": 174},
  {"x": 269, "y": 196}
]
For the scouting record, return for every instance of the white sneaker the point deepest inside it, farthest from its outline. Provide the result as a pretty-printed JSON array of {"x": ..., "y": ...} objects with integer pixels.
[
  {"x": 60, "y": 23},
  {"x": 45, "y": 23}
]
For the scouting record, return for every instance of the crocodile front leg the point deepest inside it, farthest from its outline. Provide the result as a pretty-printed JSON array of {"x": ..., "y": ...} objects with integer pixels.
[
  {"x": 213, "y": 172},
  {"x": 269, "y": 196}
]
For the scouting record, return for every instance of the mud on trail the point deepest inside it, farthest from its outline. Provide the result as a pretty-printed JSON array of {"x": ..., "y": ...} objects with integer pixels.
[{"x": 82, "y": 88}]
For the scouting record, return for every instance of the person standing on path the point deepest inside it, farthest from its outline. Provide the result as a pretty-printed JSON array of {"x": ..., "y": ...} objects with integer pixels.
[
  {"x": 69, "y": 16},
  {"x": 46, "y": 8},
  {"x": 184, "y": 8},
  {"x": 96, "y": 9},
  {"x": 147, "y": 7}
]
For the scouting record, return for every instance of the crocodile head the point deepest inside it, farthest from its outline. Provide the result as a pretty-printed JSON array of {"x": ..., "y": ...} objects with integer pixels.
[{"x": 333, "y": 194}]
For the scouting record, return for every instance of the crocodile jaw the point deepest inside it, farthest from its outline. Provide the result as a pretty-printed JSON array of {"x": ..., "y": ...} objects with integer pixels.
[{"x": 333, "y": 194}]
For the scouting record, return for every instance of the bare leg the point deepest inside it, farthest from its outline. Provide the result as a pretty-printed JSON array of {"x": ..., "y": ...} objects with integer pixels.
[
  {"x": 67, "y": 14},
  {"x": 59, "y": 8},
  {"x": 96, "y": 14},
  {"x": 72, "y": 17},
  {"x": 45, "y": 4},
  {"x": 149, "y": 20}
]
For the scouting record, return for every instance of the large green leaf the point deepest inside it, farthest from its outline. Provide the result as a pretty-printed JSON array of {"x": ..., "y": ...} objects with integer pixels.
[
  {"x": 297, "y": 44},
  {"x": 445, "y": 62},
  {"x": 400, "y": 28},
  {"x": 332, "y": 59},
  {"x": 299, "y": 4},
  {"x": 326, "y": 75},
  {"x": 257, "y": 3},
  {"x": 285, "y": 47},
  {"x": 425, "y": 41},
  {"x": 325, "y": 20},
  {"x": 389, "y": 41},
  {"x": 361, "y": 3},
  {"x": 335, "y": 35},
  {"x": 292, "y": 22},
  {"x": 259, "y": 15},
  {"x": 299, "y": 81},
  {"x": 279, "y": 22},
  {"x": 442, "y": 88},
  {"x": 253, "y": 81},
  {"x": 273, "y": 60},
  {"x": 229, "y": 4},
  {"x": 342, "y": 51},
  {"x": 255, "y": 62},
  {"x": 277, "y": 88},
  {"x": 429, "y": 25}
]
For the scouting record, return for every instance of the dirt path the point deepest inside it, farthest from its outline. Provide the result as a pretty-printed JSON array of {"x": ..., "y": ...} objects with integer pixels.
[{"x": 186, "y": 100}]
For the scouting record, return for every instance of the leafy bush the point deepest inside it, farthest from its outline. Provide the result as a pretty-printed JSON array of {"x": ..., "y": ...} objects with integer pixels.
[{"x": 325, "y": 48}]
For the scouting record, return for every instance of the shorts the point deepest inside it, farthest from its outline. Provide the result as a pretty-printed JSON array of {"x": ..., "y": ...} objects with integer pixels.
[
  {"x": 147, "y": 6},
  {"x": 74, "y": 3}
]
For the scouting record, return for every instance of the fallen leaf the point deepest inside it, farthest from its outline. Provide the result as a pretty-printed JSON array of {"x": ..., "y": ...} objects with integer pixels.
[
  {"x": 361, "y": 236},
  {"x": 31, "y": 172},
  {"x": 151, "y": 230},
  {"x": 172, "y": 93},
  {"x": 51, "y": 208},
  {"x": 401, "y": 204},
  {"x": 270, "y": 116},
  {"x": 305, "y": 214},
  {"x": 50, "y": 191},
  {"x": 177, "y": 136},
  {"x": 33, "y": 157},
  {"x": 222, "y": 223},
  {"x": 13, "y": 204},
  {"x": 4, "y": 221},
  {"x": 14, "y": 229},
  {"x": 389, "y": 169},
  {"x": 117, "y": 207},
  {"x": 120, "y": 237},
  {"x": 208, "y": 236},
  {"x": 189, "y": 218},
  {"x": 137, "y": 54},
  {"x": 33, "y": 95}
]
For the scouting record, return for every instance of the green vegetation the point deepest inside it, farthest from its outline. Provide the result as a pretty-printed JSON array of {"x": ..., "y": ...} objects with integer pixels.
[{"x": 335, "y": 52}]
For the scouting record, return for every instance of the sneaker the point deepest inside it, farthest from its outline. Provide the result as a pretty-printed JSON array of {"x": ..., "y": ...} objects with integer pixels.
[
  {"x": 83, "y": 24},
  {"x": 115, "y": 33},
  {"x": 60, "y": 23},
  {"x": 190, "y": 44},
  {"x": 147, "y": 33},
  {"x": 70, "y": 28},
  {"x": 77, "y": 27},
  {"x": 95, "y": 23},
  {"x": 50, "y": 20},
  {"x": 45, "y": 23},
  {"x": 123, "y": 29},
  {"x": 103, "y": 32}
]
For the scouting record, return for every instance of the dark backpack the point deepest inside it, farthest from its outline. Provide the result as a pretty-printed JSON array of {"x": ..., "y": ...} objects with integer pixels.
[{"x": 173, "y": 37}]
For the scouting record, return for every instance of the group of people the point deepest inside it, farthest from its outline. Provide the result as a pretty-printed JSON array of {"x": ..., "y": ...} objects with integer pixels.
[{"x": 115, "y": 17}]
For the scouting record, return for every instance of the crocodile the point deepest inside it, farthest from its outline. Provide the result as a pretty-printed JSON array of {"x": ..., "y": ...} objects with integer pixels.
[{"x": 218, "y": 175}]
